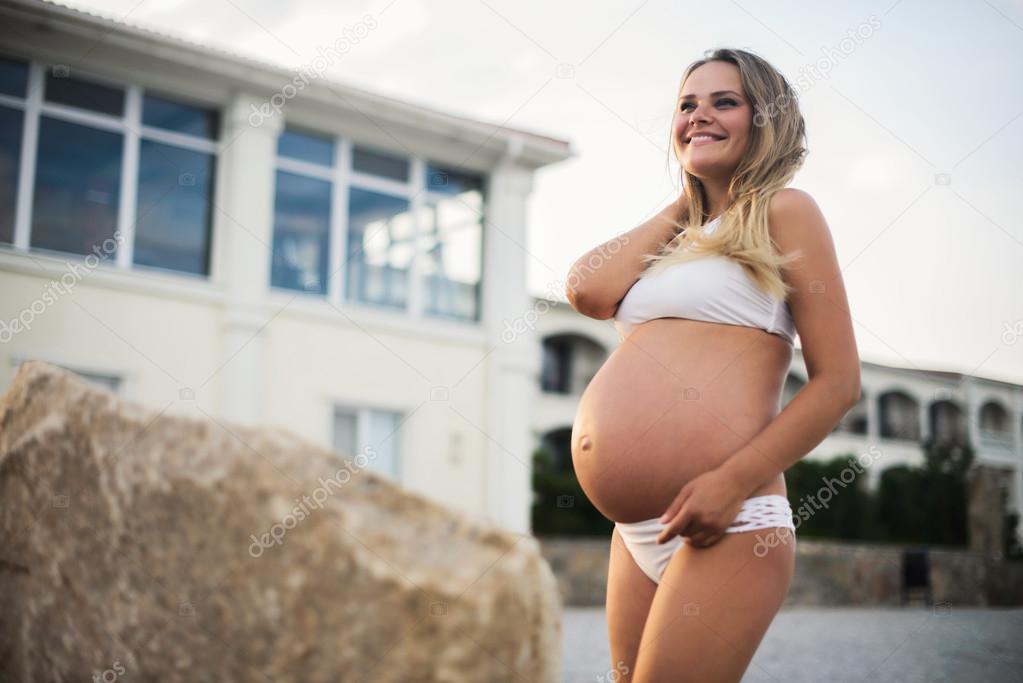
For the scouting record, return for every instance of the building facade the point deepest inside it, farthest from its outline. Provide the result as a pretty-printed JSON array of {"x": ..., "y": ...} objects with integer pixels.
[{"x": 223, "y": 238}]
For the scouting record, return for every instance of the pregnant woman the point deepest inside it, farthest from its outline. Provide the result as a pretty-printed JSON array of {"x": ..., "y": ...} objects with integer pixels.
[{"x": 678, "y": 438}]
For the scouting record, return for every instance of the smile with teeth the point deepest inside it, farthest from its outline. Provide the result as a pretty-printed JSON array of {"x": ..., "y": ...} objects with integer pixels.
[{"x": 699, "y": 140}]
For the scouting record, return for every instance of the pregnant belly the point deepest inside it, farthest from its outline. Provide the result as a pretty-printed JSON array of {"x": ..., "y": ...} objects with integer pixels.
[{"x": 673, "y": 401}]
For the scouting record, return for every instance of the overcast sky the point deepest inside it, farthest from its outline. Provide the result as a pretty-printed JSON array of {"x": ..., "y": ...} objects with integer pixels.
[{"x": 914, "y": 113}]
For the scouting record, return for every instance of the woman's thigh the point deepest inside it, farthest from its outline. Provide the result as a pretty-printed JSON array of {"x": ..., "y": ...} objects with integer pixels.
[
  {"x": 629, "y": 594},
  {"x": 720, "y": 602}
]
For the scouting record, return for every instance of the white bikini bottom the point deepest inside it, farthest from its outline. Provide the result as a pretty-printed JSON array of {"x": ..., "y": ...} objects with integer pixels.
[{"x": 759, "y": 512}]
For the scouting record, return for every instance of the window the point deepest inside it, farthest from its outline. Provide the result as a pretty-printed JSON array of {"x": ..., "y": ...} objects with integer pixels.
[
  {"x": 77, "y": 186},
  {"x": 13, "y": 77},
  {"x": 380, "y": 164},
  {"x": 294, "y": 144},
  {"x": 302, "y": 211},
  {"x": 109, "y": 160},
  {"x": 173, "y": 227},
  {"x": 380, "y": 248},
  {"x": 13, "y": 85},
  {"x": 556, "y": 370},
  {"x": 409, "y": 233},
  {"x": 167, "y": 114},
  {"x": 301, "y": 233},
  {"x": 452, "y": 243},
  {"x": 72, "y": 91},
  {"x": 370, "y": 433}
]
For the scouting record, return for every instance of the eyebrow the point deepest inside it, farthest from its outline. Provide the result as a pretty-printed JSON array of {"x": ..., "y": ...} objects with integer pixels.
[{"x": 713, "y": 94}]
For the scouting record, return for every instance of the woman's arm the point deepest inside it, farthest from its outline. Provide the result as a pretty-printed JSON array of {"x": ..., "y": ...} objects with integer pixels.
[
  {"x": 820, "y": 311},
  {"x": 600, "y": 278}
]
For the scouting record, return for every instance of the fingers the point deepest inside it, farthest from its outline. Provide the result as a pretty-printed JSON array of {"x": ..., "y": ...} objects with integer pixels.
[
  {"x": 675, "y": 506},
  {"x": 699, "y": 532},
  {"x": 680, "y": 522}
]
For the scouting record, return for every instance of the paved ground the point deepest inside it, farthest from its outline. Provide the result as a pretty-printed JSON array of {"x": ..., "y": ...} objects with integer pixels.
[{"x": 877, "y": 645}]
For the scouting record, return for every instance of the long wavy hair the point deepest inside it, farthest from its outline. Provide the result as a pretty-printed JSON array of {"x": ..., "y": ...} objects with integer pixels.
[{"x": 775, "y": 152}]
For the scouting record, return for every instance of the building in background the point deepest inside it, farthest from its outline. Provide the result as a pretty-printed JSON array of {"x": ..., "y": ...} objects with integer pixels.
[
  {"x": 215, "y": 236},
  {"x": 898, "y": 410}
]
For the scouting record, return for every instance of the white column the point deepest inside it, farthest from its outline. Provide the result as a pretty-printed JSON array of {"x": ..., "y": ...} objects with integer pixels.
[
  {"x": 973, "y": 420},
  {"x": 873, "y": 437},
  {"x": 923, "y": 410},
  {"x": 513, "y": 366},
  {"x": 242, "y": 251}
]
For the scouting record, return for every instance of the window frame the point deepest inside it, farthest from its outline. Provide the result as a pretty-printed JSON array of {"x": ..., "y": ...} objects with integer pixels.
[
  {"x": 343, "y": 177},
  {"x": 362, "y": 416},
  {"x": 130, "y": 127}
]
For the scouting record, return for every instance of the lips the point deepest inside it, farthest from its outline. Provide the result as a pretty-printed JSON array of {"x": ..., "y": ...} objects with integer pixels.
[{"x": 696, "y": 135}]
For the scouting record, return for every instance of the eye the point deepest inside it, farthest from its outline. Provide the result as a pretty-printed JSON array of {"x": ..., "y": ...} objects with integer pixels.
[{"x": 729, "y": 100}]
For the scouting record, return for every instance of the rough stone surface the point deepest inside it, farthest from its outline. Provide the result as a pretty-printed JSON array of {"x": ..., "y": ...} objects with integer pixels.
[{"x": 126, "y": 550}]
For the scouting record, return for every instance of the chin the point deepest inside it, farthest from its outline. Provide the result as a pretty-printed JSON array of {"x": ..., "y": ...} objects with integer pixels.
[{"x": 708, "y": 169}]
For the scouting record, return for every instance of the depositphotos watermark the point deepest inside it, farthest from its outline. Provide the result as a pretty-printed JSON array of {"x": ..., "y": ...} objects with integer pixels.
[
  {"x": 275, "y": 534},
  {"x": 110, "y": 675},
  {"x": 56, "y": 288},
  {"x": 857, "y": 466},
  {"x": 317, "y": 68},
  {"x": 615, "y": 675}
]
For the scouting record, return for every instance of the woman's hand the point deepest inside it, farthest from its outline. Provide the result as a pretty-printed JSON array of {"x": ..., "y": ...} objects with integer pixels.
[{"x": 703, "y": 509}]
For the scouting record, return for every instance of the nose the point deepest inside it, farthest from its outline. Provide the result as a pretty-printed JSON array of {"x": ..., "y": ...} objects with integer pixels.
[{"x": 698, "y": 115}]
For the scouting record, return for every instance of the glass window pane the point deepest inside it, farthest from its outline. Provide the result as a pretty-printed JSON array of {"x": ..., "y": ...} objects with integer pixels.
[
  {"x": 10, "y": 158},
  {"x": 451, "y": 244},
  {"x": 77, "y": 187},
  {"x": 316, "y": 149},
  {"x": 301, "y": 233},
  {"x": 172, "y": 224},
  {"x": 383, "y": 439},
  {"x": 346, "y": 428},
  {"x": 380, "y": 248},
  {"x": 13, "y": 77},
  {"x": 181, "y": 118},
  {"x": 62, "y": 88},
  {"x": 380, "y": 163},
  {"x": 447, "y": 180}
]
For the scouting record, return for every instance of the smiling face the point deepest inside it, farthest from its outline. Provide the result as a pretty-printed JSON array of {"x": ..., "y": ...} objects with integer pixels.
[{"x": 704, "y": 106}]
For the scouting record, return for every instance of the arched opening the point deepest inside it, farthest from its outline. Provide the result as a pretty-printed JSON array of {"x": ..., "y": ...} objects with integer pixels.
[
  {"x": 947, "y": 422},
  {"x": 995, "y": 429},
  {"x": 569, "y": 362},
  {"x": 900, "y": 416}
]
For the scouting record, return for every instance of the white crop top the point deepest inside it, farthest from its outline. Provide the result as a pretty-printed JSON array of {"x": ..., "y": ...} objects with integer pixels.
[{"x": 713, "y": 289}]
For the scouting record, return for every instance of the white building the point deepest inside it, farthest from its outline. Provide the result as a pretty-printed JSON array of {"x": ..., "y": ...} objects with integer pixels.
[
  {"x": 215, "y": 236},
  {"x": 899, "y": 408}
]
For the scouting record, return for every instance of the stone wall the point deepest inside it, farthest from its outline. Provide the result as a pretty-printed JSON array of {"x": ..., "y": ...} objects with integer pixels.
[{"x": 827, "y": 573}]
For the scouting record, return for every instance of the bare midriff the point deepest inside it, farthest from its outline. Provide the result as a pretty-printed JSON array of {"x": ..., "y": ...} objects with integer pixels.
[{"x": 673, "y": 401}]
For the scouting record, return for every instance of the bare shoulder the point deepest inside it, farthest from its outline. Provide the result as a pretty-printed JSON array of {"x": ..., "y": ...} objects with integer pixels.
[
  {"x": 818, "y": 300},
  {"x": 792, "y": 209},
  {"x": 797, "y": 223}
]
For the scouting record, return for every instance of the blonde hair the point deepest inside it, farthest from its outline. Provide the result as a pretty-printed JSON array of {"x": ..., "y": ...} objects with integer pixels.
[{"x": 775, "y": 152}]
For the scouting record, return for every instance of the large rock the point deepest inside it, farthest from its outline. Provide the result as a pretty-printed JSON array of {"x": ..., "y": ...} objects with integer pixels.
[{"x": 154, "y": 547}]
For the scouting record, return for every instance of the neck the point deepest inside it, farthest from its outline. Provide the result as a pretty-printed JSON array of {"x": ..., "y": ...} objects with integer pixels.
[{"x": 717, "y": 195}]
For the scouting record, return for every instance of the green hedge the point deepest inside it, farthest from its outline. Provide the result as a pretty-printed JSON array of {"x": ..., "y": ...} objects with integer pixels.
[{"x": 560, "y": 508}]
